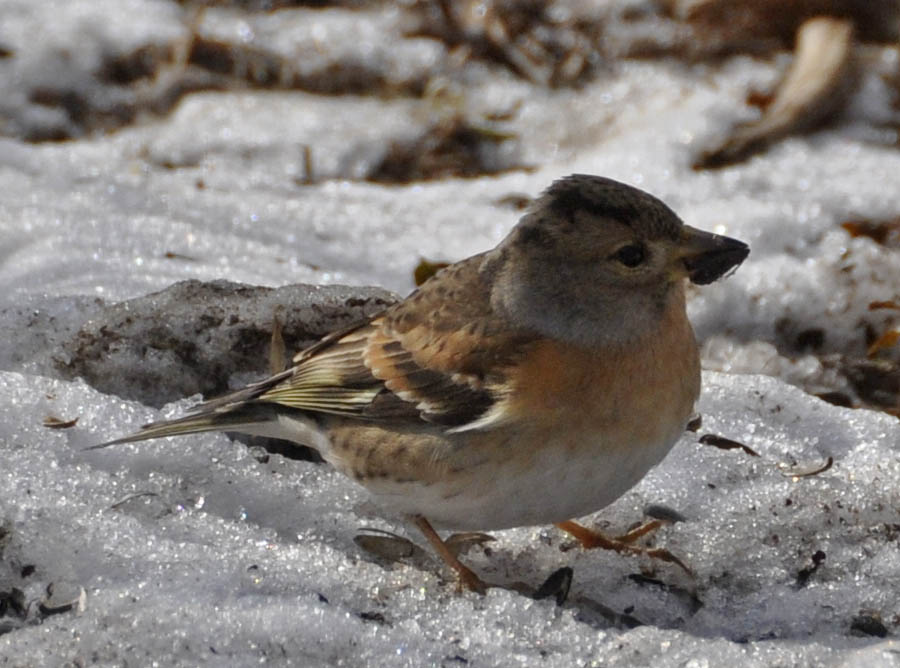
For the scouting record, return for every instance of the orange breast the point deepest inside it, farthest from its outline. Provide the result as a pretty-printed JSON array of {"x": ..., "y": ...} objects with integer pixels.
[{"x": 636, "y": 393}]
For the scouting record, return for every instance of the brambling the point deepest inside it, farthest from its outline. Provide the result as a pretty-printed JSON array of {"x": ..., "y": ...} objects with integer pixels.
[{"x": 530, "y": 384}]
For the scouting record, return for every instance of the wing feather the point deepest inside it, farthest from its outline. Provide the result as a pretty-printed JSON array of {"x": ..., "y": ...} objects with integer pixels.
[{"x": 438, "y": 356}]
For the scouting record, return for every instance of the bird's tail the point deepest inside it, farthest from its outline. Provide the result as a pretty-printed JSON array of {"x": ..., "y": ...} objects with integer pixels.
[
  {"x": 249, "y": 418},
  {"x": 240, "y": 411}
]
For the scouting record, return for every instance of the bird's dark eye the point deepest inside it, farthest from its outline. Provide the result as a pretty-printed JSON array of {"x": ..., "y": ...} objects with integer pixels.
[{"x": 631, "y": 255}]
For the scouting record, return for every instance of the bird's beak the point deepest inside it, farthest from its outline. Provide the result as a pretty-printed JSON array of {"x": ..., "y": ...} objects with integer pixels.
[{"x": 705, "y": 257}]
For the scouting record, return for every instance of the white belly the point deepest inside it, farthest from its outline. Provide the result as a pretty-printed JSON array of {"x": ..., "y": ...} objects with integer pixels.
[{"x": 557, "y": 485}]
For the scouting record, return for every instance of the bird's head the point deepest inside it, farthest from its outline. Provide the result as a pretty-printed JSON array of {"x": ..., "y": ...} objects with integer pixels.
[{"x": 595, "y": 261}]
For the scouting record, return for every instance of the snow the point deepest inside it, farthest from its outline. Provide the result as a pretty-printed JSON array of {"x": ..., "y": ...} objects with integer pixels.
[
  {"x": 196, "y": 551},
  {"x": 232, "y": 560}
]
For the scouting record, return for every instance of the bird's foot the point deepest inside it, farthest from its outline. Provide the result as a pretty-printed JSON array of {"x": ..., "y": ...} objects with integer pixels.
[
  {"x": 591, "y": 539},
  {"x": 467, "y": 579}
]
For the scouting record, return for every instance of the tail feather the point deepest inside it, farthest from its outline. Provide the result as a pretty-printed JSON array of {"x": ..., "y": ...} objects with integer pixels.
[
  {"x": 232, "y": 412},
  {"x": 245, "y": 418}
]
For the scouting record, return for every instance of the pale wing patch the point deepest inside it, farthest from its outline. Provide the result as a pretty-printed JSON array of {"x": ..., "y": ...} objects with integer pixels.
[
  {"x": 330, "y": 377},
  {"x": 497, "y": 415}
]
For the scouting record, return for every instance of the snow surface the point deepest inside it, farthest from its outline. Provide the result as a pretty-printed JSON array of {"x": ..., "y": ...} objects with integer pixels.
[{"x": 192, "y": 551}]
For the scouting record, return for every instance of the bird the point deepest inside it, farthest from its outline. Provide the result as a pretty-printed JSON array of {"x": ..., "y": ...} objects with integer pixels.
[{"x": 531, "y": 384}]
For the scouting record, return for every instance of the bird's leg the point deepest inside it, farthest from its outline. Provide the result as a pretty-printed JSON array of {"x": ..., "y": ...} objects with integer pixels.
[
  {"x": 590, "y": 539},
  {"x": 467, "y": 577},
  {"x": 647, "y": 527}
]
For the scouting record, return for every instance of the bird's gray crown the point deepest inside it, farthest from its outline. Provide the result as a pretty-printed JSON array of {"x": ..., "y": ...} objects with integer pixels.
[{"x": 598, "y": 196}]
